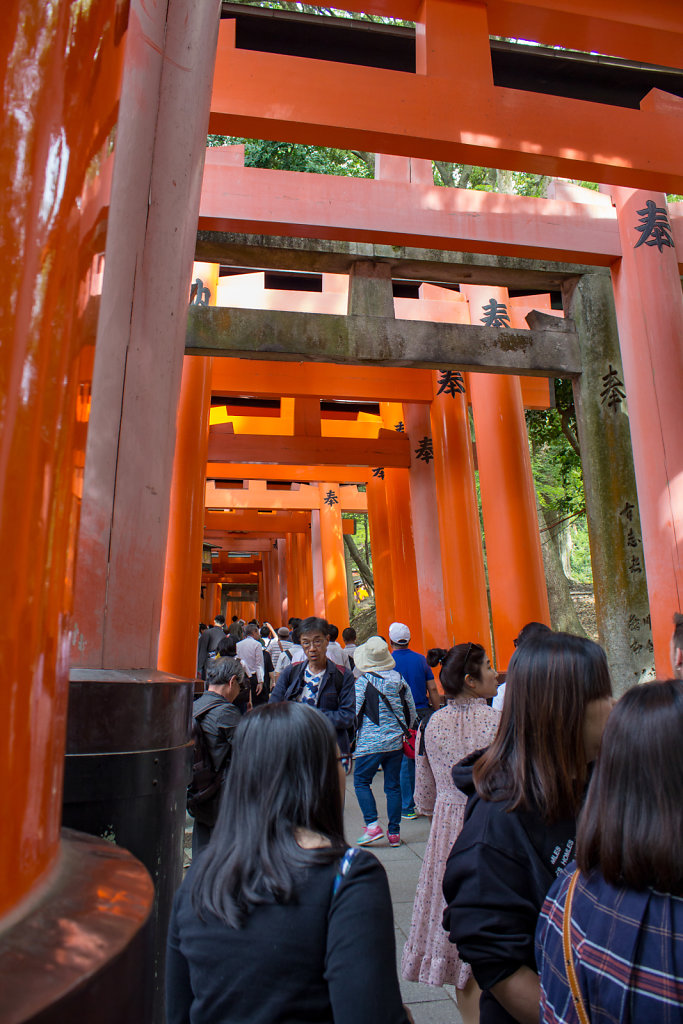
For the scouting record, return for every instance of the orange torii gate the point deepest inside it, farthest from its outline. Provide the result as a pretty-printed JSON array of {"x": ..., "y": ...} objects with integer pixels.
[{"x": 100, "y": 226}]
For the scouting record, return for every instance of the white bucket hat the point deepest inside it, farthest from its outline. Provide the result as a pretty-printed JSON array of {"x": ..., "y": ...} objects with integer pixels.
[{"x": 373, "y": 656}]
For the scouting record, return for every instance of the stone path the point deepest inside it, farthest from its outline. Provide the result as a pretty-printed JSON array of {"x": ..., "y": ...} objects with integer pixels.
[{"x": 428, "y": 1005}]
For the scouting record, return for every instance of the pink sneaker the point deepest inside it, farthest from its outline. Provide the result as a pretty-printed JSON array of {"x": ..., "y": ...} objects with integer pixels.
[
  {"x": 394, "y": 839},
  {"x": 370, "y": 835}
]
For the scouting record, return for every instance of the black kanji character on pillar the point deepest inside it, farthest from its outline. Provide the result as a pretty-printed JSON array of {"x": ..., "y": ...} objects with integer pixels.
[
  {"x": 654, "y": 226},
  {"x": 650, "y": 646},
  {"x": 612, "y": 393},
  {"x": 633, "y": 624},
  {"x": 635, "y": 565},
  {"x": 627, "y": 511},
  {"x": 495, "y": 314},
  {"x": 425, "y": 449},
  {"x": 647, "y": 621},
  {"x": 331, "y": 498},
  {"x": 379, "y": 472},
  {"x": 451, "y": 383},
  {"x": 636, "y": 646},
  {"x": 399, "y": 427},
  {"x": 631, "y": 539},
  {"x": 199, "y": 293}
]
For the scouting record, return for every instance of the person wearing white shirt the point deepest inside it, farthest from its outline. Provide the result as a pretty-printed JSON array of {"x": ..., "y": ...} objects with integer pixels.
[
  {"x": 335, "y": 651},
  {"x": 250, "y": 653}
]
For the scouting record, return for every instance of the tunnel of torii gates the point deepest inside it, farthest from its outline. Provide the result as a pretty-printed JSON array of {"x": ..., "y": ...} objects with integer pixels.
[{"x": 136, "y": 428}]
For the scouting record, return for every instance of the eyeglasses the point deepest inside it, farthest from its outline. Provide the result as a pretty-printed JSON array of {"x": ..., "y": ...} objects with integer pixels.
[
  {"x": 469, "y": 651},
  {"x": 317, "y": 641}
]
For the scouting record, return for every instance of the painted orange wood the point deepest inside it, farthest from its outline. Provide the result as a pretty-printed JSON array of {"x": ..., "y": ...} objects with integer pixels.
[{"x": 513, "y": 546}]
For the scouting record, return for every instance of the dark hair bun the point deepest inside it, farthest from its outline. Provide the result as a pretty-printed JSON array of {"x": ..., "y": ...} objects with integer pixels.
[{"x": 435, "y": 655}]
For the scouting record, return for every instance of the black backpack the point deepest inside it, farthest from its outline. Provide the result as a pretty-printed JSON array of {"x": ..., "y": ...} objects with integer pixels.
[{"x": 205, "y": 785}]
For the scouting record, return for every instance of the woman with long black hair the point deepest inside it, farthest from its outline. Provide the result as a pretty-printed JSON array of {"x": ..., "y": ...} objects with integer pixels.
[
  {"x": 520, "y": 826},
  {"x": 279, "y": 922},
  {"x": 615, "y": 925}
]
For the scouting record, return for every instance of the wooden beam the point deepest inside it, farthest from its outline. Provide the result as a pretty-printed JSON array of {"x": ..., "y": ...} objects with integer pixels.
[
  {"x": 379, "y": 341},
  {"x": 392, "y": 450},
  {"x": 489, "y": 126},
  {"x": 328, "y": 382},
  {"x": 271, "y": 471},
  {"x": 292, "y": 522},
  {"x": 306, "y": 498},
  {"x": 229, "y": 542},
  {"x": 259, "y": 201}
]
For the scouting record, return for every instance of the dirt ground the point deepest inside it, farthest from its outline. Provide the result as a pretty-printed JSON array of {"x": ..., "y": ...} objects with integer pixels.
[{"x": 584, "y": 602}]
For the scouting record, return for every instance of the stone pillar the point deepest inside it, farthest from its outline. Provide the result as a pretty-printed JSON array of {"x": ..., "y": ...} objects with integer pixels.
[
  {"x": 513, "y": 544},
  {"x": 332, "y": 543},
  {"x": 462, "y": 560},
  {"x": 614, "y": 527},
  {"x": 182, "y": 576},
  {"x": 649, "y": 309},
  {"x": 426, "y": 534}
]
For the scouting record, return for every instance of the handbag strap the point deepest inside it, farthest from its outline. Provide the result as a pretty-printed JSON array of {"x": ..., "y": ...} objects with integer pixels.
[
  {"x": 569, "y": 955},
  {"x": 385, "y": 700}
]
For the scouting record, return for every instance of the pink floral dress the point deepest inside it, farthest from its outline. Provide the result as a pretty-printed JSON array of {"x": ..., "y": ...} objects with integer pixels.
[{"x": 463, "y": 726}]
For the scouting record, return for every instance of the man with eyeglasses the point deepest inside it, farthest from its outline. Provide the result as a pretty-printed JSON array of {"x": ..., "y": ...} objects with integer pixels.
[{"x": 321, "y": 683}]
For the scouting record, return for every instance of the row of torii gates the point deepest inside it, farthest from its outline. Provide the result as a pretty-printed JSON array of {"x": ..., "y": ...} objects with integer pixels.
[
  {"x": 119, "y": 405},
  {"x": 414, "y": 456}
]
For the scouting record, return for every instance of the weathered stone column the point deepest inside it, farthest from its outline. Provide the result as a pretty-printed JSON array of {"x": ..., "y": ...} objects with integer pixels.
[{"x": 614, "y": 529}]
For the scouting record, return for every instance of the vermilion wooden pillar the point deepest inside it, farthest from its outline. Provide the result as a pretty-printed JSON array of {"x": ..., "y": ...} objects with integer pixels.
[
  {"x": 513, "y": 546},
  {"x": 284, "y": 582},
  {"x": 137, "y": 374},
  {"x": 317, "y": 566},
  {"x": 403, "y": 567},
  {"x": 462, "y": 560},
  {"x": 334, "y": 568},
  {"x": 426, "y": 534},
  {"x": 649, "y": 307},
  {"x": 182, "y": 576},
  {"x": 382, "y": 571},
  {"x": 50, "y": 261}
]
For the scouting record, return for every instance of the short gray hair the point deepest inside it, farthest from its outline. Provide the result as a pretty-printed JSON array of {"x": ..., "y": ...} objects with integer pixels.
[{"x": 220, "y": 671}]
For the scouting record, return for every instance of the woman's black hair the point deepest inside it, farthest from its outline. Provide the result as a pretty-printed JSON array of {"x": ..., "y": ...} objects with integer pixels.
[
  {"x": 457, "y": 663},
  {"x": 631, "y": 827},
  {"x": 537, "y": 760},
  {"x": 283, "y": 776}
]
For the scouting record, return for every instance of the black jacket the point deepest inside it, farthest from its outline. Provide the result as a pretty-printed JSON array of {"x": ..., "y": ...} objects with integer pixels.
[
  {"x": 497, "y": 876},
  {"x": 208, "y": 641},
  {"x": 336, "y": 696}
]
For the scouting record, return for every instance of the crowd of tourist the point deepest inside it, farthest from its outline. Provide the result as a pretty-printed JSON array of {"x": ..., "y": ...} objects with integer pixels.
[{"x": 551, "y": 888}]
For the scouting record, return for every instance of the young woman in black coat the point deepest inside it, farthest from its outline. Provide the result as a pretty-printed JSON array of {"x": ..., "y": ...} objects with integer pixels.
[
  {"x": 278, "y": 921},
  {"x": 520, "y": 827}
]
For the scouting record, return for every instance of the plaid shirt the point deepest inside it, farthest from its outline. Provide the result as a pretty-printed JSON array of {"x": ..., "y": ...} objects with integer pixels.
[{"x": 628, "y": 954}]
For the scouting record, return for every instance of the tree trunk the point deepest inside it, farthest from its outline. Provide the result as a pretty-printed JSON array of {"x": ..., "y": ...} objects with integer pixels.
[
  {"x": 563, "y": 614},
  {"x": 350, "y": 590},
  {"x": 363, "y": 567}
]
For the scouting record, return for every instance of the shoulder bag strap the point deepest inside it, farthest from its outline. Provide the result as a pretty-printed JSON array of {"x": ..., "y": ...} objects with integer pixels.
[
  {"x": 569, "y": 955},
  {"x": 344, "y": 866},
  {"x": 383, "y": 697}
]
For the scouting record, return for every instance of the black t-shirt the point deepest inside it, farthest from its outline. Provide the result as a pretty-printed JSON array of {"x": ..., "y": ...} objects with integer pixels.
[{"x": 320, "y": 959}]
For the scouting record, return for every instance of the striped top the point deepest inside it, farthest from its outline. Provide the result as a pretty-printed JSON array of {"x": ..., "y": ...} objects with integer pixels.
[{"x": 628, "y": 953}]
